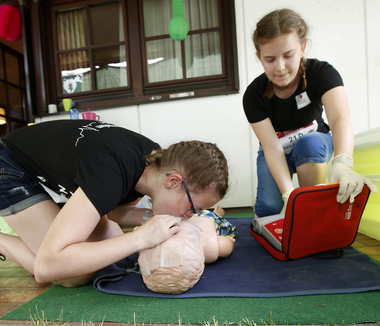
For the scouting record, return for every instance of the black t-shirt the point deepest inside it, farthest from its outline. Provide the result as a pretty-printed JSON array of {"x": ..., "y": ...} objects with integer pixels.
[
  {"x": 284, "y": 113},
  {"x": 105, "y": 160}
]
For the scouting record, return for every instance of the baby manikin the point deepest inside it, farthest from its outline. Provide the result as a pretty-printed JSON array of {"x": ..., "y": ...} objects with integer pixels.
[{"x": 177, "y": 264}]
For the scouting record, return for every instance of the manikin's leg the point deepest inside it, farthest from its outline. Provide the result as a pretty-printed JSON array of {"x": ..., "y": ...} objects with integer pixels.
[
  {"x": 219, "y": 210},
  {"x": 310, "y": 174}
]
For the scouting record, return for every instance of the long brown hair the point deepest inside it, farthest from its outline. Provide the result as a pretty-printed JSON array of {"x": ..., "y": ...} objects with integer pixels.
[
  {"x": 275, "y": 24},
  {"x": 201, "y": 164}
]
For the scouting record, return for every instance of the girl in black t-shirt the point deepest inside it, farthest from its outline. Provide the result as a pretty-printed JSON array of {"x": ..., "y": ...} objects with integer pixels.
[
  {"x": 100, "y": 168},
  {"x": 284, "y": 107}
]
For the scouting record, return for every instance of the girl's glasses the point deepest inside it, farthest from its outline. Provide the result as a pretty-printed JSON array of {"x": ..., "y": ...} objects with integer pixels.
[
  {"x": 190, "y": 200},
  {"x": 189, "y": 197}
]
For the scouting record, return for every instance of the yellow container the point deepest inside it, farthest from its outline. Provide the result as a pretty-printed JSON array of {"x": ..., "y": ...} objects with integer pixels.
[
  {"x": 367, "y": 163},
  {"x": 67, "y": 103}
]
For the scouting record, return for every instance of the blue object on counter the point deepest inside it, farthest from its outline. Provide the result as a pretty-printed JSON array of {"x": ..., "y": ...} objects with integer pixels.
[{"x": 74, "y": 112}]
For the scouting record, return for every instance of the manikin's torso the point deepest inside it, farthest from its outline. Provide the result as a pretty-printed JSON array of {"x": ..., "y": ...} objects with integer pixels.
[{"x": 208, "y": 237}]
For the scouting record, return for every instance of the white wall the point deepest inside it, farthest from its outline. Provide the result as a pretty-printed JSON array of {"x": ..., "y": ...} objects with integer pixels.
[
  {"x": 343, "y": 32},
  {"x": 372, "y": 27}
]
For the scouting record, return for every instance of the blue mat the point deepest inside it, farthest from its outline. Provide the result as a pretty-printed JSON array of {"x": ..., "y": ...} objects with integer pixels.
[{"x": 252, "y": 272}]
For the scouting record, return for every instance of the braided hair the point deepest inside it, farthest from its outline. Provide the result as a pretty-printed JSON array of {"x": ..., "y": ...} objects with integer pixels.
[
  {"x": 201, "y": 164},
  {"x": 275, "y": 24}
]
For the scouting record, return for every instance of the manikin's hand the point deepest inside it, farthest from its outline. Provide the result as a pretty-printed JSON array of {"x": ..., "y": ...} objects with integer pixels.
[
  {"x": 350, "y": 183},
  {"x": 285, "y": 197},
  {"x": 156, "y": 230}
]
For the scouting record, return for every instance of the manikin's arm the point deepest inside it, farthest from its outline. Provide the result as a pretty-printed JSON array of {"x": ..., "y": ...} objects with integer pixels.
[{"x": 226, "y": 245}]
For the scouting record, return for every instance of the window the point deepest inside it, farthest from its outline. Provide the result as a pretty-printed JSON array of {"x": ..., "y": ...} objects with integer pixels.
[
  {"x": 199, "y": 55},
  {"x": 91, "y": 48},
  {"x": 13, "y": 111},
  {"x": 117, "y": 52}
]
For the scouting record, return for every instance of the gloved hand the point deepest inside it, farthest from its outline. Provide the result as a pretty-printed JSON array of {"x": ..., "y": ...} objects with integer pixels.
[
  {"x": 285, "y": 197},
  {"x": 350, "y": 183}
]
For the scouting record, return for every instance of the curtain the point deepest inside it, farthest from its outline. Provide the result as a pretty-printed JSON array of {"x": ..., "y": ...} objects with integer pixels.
[
  {"x": 75, "y": 65},
  {"x": 71, "y": 35}
]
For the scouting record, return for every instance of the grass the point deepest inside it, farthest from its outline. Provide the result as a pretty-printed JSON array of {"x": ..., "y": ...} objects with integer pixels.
[{"x": 39, "y": 320}]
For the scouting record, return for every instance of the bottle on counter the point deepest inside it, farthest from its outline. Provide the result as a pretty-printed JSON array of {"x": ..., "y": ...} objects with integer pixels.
[{"x": 74, "y": 112}]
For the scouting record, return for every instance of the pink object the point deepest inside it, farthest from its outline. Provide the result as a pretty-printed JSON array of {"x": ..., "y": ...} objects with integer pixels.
[
  {"x": 90, "y": 116},
  {"x": 10, "y": 23}
]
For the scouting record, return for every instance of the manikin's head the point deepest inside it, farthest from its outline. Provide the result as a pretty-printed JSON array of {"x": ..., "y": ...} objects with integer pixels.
[{"x": 175, "y": 265}]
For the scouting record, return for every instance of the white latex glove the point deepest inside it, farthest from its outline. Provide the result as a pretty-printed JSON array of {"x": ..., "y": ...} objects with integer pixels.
[
  {"x": 350, "y": 183},
  {"x": 285, "y": 197}
]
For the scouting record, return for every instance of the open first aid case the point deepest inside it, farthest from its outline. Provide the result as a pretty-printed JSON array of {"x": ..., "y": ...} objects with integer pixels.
[{"x": 314, "y": 222}]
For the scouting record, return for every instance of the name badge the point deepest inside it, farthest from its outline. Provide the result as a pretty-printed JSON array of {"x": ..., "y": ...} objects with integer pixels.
[{"x": 302, "y": 100}]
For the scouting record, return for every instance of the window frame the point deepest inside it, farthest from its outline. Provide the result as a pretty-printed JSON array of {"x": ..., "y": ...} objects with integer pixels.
[
  {"x": 138, "y": 90},
  {"x": 12, "y": 122}
]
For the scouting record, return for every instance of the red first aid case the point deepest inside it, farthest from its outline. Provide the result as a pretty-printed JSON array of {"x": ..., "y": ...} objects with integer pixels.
[{"x": 314, "y": 222}]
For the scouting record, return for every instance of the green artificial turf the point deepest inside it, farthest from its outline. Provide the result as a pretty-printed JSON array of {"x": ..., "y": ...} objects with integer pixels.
[{"x": 87, "y": 304}]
